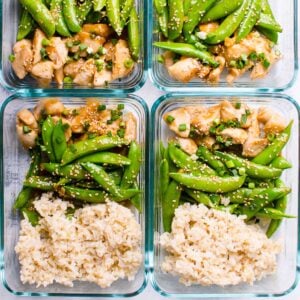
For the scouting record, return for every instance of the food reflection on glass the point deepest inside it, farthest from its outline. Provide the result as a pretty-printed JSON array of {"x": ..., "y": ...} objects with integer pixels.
[
  {"x": 221, "y": 193},
  {"x": 87, "y": 43},
  {"x": 80, "y": 195},
  {"x": 202, "y": 39}
]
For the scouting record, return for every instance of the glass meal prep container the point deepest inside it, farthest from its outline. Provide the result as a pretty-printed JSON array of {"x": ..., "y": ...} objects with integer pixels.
[
  {"x": 10, "y": 17},
  {"x": 15, "y": 162},
  {"x": 284, "y": 279},
  {"x": 280, "y": 77}
]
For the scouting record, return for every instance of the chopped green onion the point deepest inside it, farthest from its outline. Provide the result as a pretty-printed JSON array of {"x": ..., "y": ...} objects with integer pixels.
[
  {"x": 230, "y": 164},
  {"x": 69, "y": 44},
  {"x": 160, "y": 59},
  {"x": 82, "y": 47},
  {"x": 242, "y": 171},
  {"x": 26, "y": 129},
  {"x": 251, "y": 185},
  {"x": 170, "y": 119},
  {"x": 128, "y": 63},
  {"x": 101, "y": 107},
  {"x": 182, "y": 127},
  {"x": 11, "y": 58},
  {"x": 121, "y": 106},
  {"x": 121, "y": 133},
  {"x": 68, "y": 79},
  {"x": 45, "y": 42},
  {"x": 238, "y": 105}
]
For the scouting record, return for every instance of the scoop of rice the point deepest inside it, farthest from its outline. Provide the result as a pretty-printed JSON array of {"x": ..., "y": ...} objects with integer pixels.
[
  {"x": 208, "y": 246},
  {"x": 100, "y": 243}
]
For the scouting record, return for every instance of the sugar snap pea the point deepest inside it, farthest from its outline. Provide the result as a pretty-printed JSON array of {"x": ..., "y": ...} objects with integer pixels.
[
  {"x": 188, "y": 50},
  {"x": 160, "y": 6},
  {"x": 47, "y": 131},
  {"x": 267, "y": 22},
  {"x": 176, "y": 17},
  {"x": 126, "y": 8},
  {"x": 136, "y": 199},
  {"x": 242, "y": 195},
  {"x": 273, "y": 213},
  {"x": 83, "y": 10},
  {"x": 200, "y": 197},
  {"x": 133, "y": 34},
  {"x": 83, "y": 148},
  {"x": 113, "y": 14},
  {"x": 31, "y": 215},
  {"x": 131, "y": 172},
  {"x": 60, "y": 25},
  {"x": 229, "y": 25},
  {"x": 25, "y": 25},
  {"x": 221, "y": 9},
  {"x": 252, "y": 169},
  {"x": 169, "y": 203},
  {"x": 164, "y": 176},
  {"x": 99, "y": 4},
  {"x": 195, "y": 14},
  {"x": 40, "y": 182},
  {"x": 212, "y": 184},
  {"x": 269, "y": 34},
  {"x": 70, "y": 17},
  {"x": 273, "y": 150},
  {"x": 109, "y": 158},
  {"x": 59, "y": 142},
  {"x": 280, "y": 163},
  {"x": 186, "y": 6},
  {"x": 163, "y": 22},
  {"x": 41, "y": 14},
  {"x": 229, "y": 208}
]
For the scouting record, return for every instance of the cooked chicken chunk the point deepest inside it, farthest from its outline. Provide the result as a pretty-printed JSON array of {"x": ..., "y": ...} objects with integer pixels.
[
  {"x": 71, "y": 69},
  {"x": 214, "y": 75},
  {"x": 93, "y": 44},
  {"x": 180, "y": 118},
  {"x": 236, "y": 135},
  {"x": 100, "y": 29},
  {"x": 37, "y": 45},
  {"x": 207, "y": 141},
  {"x": 57, "y": 52},
  {"x": 102, "y": 78},
  {"x": 274, "y": 122},
  {"x": 204, "y": 71},
  {"x": 122, "y": 61},
  {"x": 184, "y": 70},
  {"x": 109, "y": 51},
  {"x": 43, "y": 70},
  {"x": 187, "y": 145},
  {"x": 52, "y": 107},
  {"x": 23, "y": 58},
  {"x": 86, "y": 73},
  {"x": 130, "y": 127},
  {"x": 168, "y": 58}
]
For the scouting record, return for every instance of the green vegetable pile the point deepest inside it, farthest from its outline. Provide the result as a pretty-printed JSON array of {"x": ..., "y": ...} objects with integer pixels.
[
  {"x": 249, "y": 187},
  {"x": 92, "y": 170}
]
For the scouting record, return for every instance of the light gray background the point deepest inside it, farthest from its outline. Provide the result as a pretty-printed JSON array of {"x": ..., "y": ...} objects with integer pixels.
[{"x": 149, "y": 93}]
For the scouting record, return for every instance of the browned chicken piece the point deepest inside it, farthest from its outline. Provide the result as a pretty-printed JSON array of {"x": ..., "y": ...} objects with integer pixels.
[
  {"x": 37, "y": 45},
  {"x": 86, "y": 73},
  {"x": 52, "y": 107},
  {"x": 109, "y": 50},
  {"x": 236, "y": 135},
  {"x": 130, "y": 127},
  {"x": 23, "y": 58},
  {"x": 181, "y": 117},
  {"x": 43, "y": 70},
  {"x": 71, "y": 69},
  {"x": 184, "y": 70},
  {"x": 120, "y": 60},
  {"x": 99, "y": 29},
  {"x": 93, "y": 44},
  {"x": 59, "y": 75},
  {"x": 57, "y": 52},
  {"x": 27, "y": 128},
  {"x": 68, "y": 130},
  {"x": 204, "y": 71},
  {"x": 230, "y": 113},
  {"x": 207, "y": 141},
  {"x": 214, "y": 75},
  {"x": 274, "y": 122},
  {"x": 102, "y": 78},
  {"x": 168, "y": 58},
  {"x": 187, "y": 145},
  {"x": 209, "y": 27},
  {"x": 234, "y": 73},
  {"x": 204, "y": 118}
]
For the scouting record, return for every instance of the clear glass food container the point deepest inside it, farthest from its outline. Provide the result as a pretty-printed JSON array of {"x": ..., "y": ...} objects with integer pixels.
[
  {"x": 10, "y": 17},
  {"x": 285, "y": 279},
  {"x": 14, "y": 165},
  {"x": 280, "y": 77}
]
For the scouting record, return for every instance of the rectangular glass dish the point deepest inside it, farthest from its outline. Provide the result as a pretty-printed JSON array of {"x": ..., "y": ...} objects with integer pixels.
[
  {"x": 285, "y": 279},
  {"x": 280, "y": 77},
  {"x": 14, "y": 165},
  {"x": 9, "y": 25}
]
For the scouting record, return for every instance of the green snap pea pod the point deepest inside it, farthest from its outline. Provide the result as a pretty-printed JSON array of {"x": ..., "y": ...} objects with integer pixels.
[
  {"x": 109, "y": 158},
  {"x": 113, "y": 14},
  {"x": 59, "y": 142},
  {"x": 164, "y": 176},
  {"x": 126, "y": 8},
  {"x": 70, "y": 17},
  {"x": 23, "y": 197},
  {"x": 281, "y": 205},
  {"x": 162, "y": 150},
  {"x": 185, "y": 198},
  {"x": 262, "y": 200},
  {"x": 267, "y": 15},
  {"x": 188, "y": 50},
  {"x": 242, "y": 195},
  {"x": 172, "y": 166},
  {"x": 47, "y": 131},
  {"x": 87, "y": 184},
  {"x": 47, "y": 2},
  {"x": 163, "y": 20},
  {"x": 31, "y": 215},
  {"x": 99, "y": 4},
  {"x": 116, "y": 176},
  {"x": 72, "y": 171},
  {"x": 212, "y": 184},
  {"x": 195, "y": 15},
  {"x": 94, "y": 196},
  {"x": 273, "y": 213},
  {"x": 104, "y": 180},
  {"x": 229, "y": 25},
  {"x": 229, "y": 208},
  {"x": 25, "y": 25},
  {"x": 269, "y": 34},
  {"x": 194, "y": 40},
  {"x": 252, "y": 169},
  {"x": 160, "y": 6},
  {"x": 184, "y": 161},
  {"x": 60, "y": 25},
  {"x": 211, "y": 160},
  {"x": 83, "y": 148},
  {"x": 267, "y": 22},
  {"x": 41, "y": 14},
  {"x": 169, "y": 203},
  {"x": 249, "y": 21},
  {"x": 221, "y": 10},
  {"x": 136, "y": 200},
  {"x": 186, "y": 6},
  {"x": 131, "y": 172},
  {"x": 274, "y": 149},
  {"x": 176, "y": 17},
  {"x": 200, "y": 197},
  {"x": 133, "y": 34},
  {"x": 40, "y": 182},
  {"x": 83, "y": 10},
  {"x": 280, "y": 163}
]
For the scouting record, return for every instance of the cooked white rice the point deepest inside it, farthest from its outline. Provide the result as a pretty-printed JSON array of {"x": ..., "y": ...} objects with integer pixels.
[
  {"x": 100, "y": 243},
  {"x": 208, "y": 246}
]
